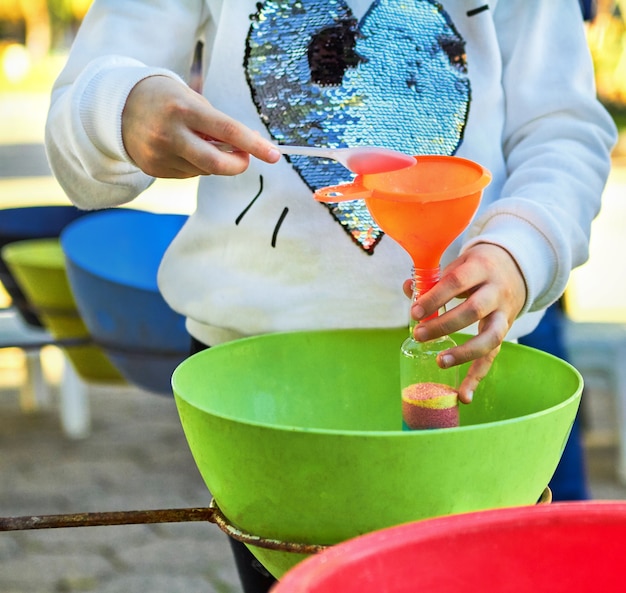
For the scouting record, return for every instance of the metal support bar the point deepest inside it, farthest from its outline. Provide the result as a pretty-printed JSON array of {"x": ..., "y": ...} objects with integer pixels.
[
  {"x": 211, "y": 514},
  {"x": 104, "y": 519}
]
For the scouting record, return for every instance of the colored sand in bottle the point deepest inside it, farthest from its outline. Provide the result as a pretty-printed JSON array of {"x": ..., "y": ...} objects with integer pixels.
[{"x": 430, "y": 405}]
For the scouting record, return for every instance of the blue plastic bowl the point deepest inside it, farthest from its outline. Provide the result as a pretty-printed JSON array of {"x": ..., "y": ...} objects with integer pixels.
[
  {"x": 30, "y": 222},
  {"x": 112, "y": 259}
]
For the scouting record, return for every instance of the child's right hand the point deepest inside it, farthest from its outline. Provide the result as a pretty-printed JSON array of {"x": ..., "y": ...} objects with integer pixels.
[
  {"x": 488, "y": 280},
  {"x": 163, "y": 125}
]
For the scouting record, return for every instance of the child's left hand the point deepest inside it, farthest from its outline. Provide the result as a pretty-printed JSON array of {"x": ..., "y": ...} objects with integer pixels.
[{"x": 494, "y": 293}]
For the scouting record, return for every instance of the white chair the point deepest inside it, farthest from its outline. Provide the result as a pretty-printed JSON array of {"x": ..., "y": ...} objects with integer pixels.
[{"x": 35, "y": 392}]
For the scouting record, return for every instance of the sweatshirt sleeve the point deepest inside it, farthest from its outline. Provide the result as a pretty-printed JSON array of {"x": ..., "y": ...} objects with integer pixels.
[
  {"x": 557, "y": 143},
  {"x": 118, "y": 45}
]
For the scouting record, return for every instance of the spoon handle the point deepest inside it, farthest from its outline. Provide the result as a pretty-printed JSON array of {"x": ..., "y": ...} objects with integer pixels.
[
  {"x": 283, "y": 149},
  {"x": 306, "y": 150}
]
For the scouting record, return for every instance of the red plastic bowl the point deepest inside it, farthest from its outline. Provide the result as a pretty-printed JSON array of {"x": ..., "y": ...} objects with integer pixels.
[{"x": 571, "y": 547}]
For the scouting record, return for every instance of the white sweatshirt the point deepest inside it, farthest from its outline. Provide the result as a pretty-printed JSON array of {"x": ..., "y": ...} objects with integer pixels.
[{"x": 507, "y": 84}]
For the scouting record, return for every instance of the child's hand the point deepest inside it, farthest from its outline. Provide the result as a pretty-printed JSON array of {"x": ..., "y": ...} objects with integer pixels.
[
  {"x": 163, "y": 126},
  {"x": 488, "y": 278}
]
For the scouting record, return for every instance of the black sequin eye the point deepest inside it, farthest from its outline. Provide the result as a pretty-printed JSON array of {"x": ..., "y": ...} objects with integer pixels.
[
  {"x": 332, "y": 51},
  {"x": 454, "y": 48}
]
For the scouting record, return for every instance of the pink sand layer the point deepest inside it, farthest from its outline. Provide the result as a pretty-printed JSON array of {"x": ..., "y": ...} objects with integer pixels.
[
  {"x": 430, "y": 405},
  {"x": 417, "y": 418}
]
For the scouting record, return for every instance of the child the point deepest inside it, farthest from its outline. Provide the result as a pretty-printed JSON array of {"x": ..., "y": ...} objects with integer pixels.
[{"x": 507, "y": 84}]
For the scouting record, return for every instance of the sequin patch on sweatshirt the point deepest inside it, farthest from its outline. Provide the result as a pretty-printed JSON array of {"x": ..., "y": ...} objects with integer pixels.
[{"x": 398, "y": 78}]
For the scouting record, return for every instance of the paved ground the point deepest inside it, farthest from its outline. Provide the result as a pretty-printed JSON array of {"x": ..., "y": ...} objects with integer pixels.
[{"x": 136, "y": 456}]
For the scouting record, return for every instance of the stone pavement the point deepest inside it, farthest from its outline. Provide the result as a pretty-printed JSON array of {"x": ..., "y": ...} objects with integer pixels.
[{"x": 136, "y": 458}]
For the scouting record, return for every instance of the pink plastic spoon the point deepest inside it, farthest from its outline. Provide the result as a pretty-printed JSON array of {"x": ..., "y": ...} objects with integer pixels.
[{"x": 362, "y": 160}]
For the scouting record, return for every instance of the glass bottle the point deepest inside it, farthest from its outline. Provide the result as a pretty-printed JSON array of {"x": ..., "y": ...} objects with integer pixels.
[{"x": 429, "y": 393}]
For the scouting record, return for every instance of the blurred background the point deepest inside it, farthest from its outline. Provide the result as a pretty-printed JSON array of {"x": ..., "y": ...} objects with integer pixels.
[{"x": 35, "y": 36}]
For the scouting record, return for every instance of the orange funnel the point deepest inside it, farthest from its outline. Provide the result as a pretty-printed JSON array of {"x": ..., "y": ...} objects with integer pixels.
[{"x": 424, "y": 207}]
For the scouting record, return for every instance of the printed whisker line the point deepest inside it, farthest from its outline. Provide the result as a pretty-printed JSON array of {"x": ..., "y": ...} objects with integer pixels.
[
  {"x": 245, "y": 211},
  {"x": 278, "y": 225},
  {"x": 478, "y": 10}
]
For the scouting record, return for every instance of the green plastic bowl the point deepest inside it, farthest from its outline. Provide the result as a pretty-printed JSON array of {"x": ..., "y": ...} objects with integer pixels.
[
  {"x": 38, "y": 266},
  {"x": 298, "y": 436}
]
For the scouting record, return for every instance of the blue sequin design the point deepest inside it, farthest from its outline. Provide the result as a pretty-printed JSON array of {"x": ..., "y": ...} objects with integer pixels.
[{"x": 397, "y": 78}]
